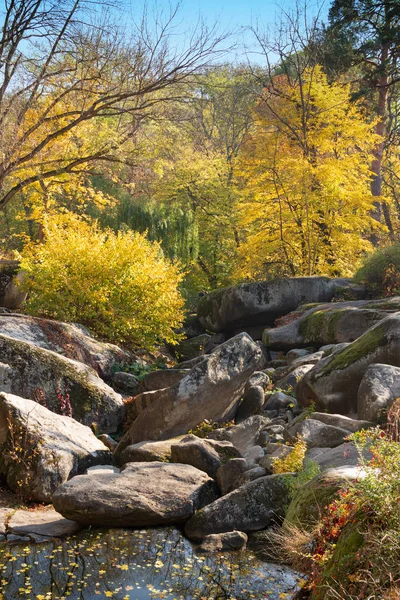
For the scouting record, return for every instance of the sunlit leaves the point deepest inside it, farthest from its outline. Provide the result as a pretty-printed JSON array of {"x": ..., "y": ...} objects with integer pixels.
[
  {"x": 305, "y": 176},
  {"x": 120, "y": 285}
]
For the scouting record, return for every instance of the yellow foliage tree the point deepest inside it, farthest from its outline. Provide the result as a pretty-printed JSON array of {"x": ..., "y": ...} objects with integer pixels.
[
  {"x": 305, "y": 171},
  {"x": 118, "y": 285}
]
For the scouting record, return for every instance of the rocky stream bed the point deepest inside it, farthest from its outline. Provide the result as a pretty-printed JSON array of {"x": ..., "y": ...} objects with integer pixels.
[{"x": 193, "y": 446}]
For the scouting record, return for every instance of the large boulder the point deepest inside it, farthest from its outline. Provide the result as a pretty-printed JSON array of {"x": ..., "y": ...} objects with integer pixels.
[
  {"x": 253, "y": 506},
  {"x": 206, "y": 455},
  {"x": 11, "y": 296},
  {"x": 68, "y": 339},
  {"x": 212, "y": 390},
  {"x": 261, "y": 302},
  {"x": 143, "y": 494},
  {"x": 333, "y": 383},
  {"x": 147, "y": 452},
  {"x": 41, "y": 450},
  {"x": 379, "y": 388},
  {"x": 330, "y": 324},
  {"x": 36, "y": 373},
  {"x": 318, "y": 434}
]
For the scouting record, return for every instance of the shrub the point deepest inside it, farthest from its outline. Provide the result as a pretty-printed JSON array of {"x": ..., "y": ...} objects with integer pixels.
[
  {"x": 381, "y": 272},
  {"x": 207, "y": 426},
  {"x": 357, "y": 545},
  {"x": 118, "y": 285},
  {"x": 293, "y": 461}
]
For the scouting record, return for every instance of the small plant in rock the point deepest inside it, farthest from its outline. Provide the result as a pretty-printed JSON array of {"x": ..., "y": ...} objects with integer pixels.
[
  {"x": 292, "y": 462},
  {"x": 64, "y": 401},
  {"x": 22, "y": 451},
  {"x": 39, "y": 397},
  {"x": 207, "y": 426}
]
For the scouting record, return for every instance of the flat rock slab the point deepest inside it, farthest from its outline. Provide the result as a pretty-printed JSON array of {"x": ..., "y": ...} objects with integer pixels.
[
  {"x": 4, "y": 516},
  {"x": 46, "y": 523},
  {"x": 143, "y": 494}
]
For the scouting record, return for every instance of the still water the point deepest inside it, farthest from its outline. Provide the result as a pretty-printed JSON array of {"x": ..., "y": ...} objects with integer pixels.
[{"x": 137, "y": 565}]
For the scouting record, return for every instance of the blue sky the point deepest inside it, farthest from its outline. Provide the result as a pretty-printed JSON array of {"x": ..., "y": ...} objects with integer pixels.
[
  {"x": 235, "y": 15},
  {"x": 237, "y": 12}
]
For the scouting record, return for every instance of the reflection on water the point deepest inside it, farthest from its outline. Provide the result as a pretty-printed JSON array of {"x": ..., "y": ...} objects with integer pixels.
[{"x": 139, "y": 565}]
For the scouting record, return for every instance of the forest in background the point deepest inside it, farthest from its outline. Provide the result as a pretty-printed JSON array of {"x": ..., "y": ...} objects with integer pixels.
[{"x": 240, "y": 171}]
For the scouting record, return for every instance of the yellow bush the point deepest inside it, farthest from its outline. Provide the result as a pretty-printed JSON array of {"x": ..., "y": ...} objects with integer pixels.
[
  {"x": 118, "y": 285},
  {"x": 293, "y": 462}
]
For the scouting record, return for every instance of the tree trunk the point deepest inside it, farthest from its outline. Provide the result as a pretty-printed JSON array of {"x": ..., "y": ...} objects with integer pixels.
[{"x": 381, "y": 208}]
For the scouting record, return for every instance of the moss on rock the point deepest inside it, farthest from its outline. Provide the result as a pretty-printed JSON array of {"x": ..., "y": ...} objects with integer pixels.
[
  {"x": 360, "y": 348},
  {"x": 322, "y": 326},
  {"x": 36, "y": 369}
]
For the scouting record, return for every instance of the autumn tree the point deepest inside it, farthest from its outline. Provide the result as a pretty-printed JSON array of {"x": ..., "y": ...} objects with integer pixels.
[
  {"x": 198, "y": 170},
  {"x": 305, "y": 180},
  {"x": 366, "y": 35},
  {"x": 64, "y": 77}
]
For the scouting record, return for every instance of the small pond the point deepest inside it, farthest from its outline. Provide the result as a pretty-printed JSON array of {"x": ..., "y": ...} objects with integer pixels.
[{"x": 137, "y": 565}]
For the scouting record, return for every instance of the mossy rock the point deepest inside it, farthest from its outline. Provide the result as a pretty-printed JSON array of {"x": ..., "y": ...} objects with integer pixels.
[
  {"x": 324, "y": 324},
  {"x": 308, "y": 503},
  {"x": 333, "y": 383},
  {"x": 33, "y": 371},
  {"x": 341, "y": 564},
  {"x": 358, "y": 350}
]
